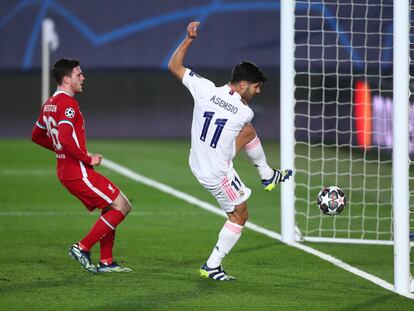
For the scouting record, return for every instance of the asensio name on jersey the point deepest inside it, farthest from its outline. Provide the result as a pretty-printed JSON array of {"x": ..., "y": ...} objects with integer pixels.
[
  {"x": 218, "y": 117},
  {"x": 223, "y": 104}
]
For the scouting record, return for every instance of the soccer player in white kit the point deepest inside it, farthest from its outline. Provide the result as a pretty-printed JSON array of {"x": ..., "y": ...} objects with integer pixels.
[{"x": 221, "y": 127}]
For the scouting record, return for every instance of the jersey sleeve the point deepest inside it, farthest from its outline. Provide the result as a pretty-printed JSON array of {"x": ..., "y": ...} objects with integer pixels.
[
  {"x": 66, "y": 127},
  {"x": 39, "y": 123},
  {"x": 198, "y": 86},
  {"x": 40, "y": 135},
  {"x": 249, "y": 116}
]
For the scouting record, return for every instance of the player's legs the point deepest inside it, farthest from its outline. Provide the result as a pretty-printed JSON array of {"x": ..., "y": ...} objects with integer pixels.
[
  {"x": 232, "y": 195},
  {"x": 239, "y": 215},
  {"x": 246, "y": 135},
  {"x": 122, "y": 204},
  {"x": 107, "y": 244},
  {"x": 96, "y": 191},
  {"x": 229, "y": 234},
  {"x": 108, "y": 222},
  {"x": 250, "y": 142},
  {"x": 106, "y": 263}
]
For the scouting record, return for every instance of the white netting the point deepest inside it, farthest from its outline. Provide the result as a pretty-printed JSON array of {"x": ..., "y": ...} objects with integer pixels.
[{"x": 343, "y": 60}]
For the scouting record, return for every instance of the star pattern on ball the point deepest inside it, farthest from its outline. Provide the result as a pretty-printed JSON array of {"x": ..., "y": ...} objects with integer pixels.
[
  {"x": 331, "y": 200},
  {"x": 325, "y": 199},
  {"x": 340, "y": 200}
]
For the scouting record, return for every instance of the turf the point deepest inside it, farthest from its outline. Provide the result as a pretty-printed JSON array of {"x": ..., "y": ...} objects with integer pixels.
[{"x": 164, "y": 240}]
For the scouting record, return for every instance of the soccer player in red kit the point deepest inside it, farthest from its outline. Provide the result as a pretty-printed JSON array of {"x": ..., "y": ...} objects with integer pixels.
[{"x": 61, "y": 128}]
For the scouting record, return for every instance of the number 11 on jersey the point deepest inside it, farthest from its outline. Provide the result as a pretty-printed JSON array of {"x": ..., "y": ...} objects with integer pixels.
[{"x": 208, "y": 115}]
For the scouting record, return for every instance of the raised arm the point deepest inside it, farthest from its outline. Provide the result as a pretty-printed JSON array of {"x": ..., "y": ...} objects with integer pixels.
[{"x": 175, "y": 65}]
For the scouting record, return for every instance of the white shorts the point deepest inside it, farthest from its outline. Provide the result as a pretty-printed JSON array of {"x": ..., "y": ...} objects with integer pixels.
[{"x": 229, "y": 191}]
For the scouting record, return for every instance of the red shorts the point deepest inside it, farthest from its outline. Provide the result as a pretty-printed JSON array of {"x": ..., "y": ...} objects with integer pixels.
[{"x": 95, "y": 191}]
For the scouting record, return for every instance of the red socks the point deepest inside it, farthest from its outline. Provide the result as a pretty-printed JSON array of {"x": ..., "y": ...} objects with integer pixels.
[
  {"x": 103, "y": 229},
  {"x": 107, "y": 244}
]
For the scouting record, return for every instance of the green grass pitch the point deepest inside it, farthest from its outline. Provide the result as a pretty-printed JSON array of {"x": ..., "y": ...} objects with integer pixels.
[{"x": 164, "y": 240}]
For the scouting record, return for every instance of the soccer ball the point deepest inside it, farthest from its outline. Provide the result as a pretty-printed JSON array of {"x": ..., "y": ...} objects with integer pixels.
[{"x": 331, "y": 200}]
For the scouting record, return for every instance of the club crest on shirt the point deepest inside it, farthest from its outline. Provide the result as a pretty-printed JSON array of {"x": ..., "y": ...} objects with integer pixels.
[{"x": 70, "y": 112}]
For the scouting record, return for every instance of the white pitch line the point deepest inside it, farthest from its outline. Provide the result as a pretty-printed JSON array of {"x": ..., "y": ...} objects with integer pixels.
[
  {"x": 274, "y": 235},
  {"x": 339, "y": 263},
  {"x": 22, "y": 172}
]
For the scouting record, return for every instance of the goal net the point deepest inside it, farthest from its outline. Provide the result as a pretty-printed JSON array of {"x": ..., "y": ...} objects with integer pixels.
[
  {"x": 343, "y": 117},
  {"x": 347, "y": 121}
]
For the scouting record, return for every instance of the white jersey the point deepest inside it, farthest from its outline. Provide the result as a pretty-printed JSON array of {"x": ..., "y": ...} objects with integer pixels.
[{"x": 218, "y": 117}]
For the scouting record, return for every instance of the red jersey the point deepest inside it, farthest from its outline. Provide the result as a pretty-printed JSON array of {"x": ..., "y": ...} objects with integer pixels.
[{"x": 61, "y": 127}]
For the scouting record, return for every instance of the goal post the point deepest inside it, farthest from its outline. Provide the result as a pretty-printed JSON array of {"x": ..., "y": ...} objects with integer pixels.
[
  {"x": 402, "y": 277},
  {"x": 50, "y": 41},
  {"x": 287, "y": 90},
  {"x": 340, "y": 124}
]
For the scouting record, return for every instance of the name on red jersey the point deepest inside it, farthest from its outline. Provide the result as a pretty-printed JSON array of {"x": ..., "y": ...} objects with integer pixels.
[{"x": 49, "y": 108}]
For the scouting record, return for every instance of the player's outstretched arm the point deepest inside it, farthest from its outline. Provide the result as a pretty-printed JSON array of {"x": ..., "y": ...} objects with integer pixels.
[{"x": 175, "y": 65}]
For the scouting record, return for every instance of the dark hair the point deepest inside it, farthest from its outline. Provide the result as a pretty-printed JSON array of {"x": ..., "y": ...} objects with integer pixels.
[
  {"x": 63, "y": 67},
  {"x": 247, "y": 71}
]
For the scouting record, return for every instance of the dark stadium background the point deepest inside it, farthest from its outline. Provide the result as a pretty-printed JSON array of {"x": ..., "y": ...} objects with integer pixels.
[{"x": 124, "y": 48}]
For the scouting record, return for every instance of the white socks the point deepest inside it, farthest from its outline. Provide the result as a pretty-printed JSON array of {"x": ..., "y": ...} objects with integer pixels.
[
  {"x": 256, "y": 154},
  {"x": 228, "y": 237}
]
